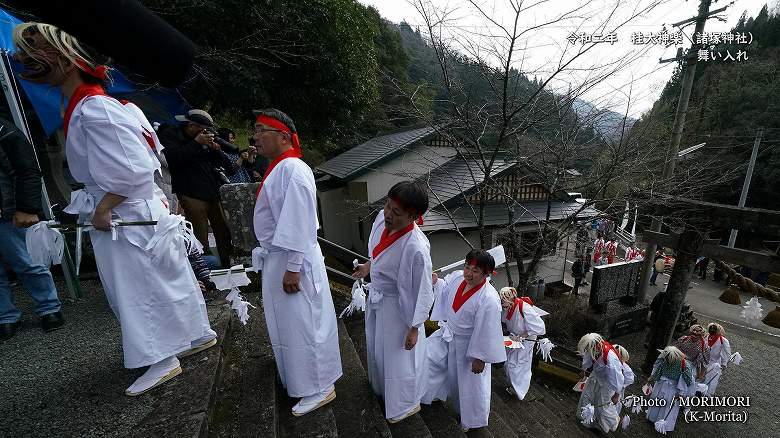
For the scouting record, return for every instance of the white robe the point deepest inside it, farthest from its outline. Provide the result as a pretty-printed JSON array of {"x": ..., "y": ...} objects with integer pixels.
[
  {"x": 400, "y": 297},
  {"x": 528, "y": 324},
  {"x": 302, "y": 326},
  {"x": 473, "y": 332},
  {"x": 160, "y": 311},
  {"x": 604, "y": 381},
  {"x": 668, "y": 390},
  {"x": 628, "y": 379},
  {"x": 720, "y": 354}
]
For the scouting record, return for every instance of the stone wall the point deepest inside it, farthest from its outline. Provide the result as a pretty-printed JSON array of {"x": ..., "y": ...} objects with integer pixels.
[{"x": 238, "y": 201}]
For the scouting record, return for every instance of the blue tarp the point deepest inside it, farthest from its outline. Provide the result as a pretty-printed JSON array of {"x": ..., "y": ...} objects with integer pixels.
[{"x": 159, "y": 105}]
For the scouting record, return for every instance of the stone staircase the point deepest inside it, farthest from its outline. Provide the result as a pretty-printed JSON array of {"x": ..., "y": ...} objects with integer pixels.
[{"x": 250, "y": 402}]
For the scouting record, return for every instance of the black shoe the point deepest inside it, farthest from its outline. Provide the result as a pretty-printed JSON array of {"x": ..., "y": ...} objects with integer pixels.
[
  {"x": 52, "y": 321},
  {"x": 8, "y": 330}
]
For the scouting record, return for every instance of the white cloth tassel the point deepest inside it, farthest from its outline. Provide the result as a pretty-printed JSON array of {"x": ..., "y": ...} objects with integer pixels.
[
  {"x": 240, "y": 305},
  {"x": 753, "y": 311},
  {"x": 358, "y": 299},
  {"x": 544, "y": 346},
  {"x": 625, "y": 422},
  {"x": 167, "y": 245},
  {"x": 233, "y": 277},
  {"x": 45, "y": 245},
  {"x": 660, "y": 427},
  {"x": 588, "y": 411},
  {"x": 81, "y": 203},
  {"x": 636, "y": 408},
  {"x": 258, "y": 256},
  {"x": 736, "y": 358}
]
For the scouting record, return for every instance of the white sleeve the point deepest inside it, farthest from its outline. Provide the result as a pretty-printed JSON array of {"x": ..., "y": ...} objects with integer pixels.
[
  {"x": 486, "y": 342},
  {"x": 417, "y": 300},
  {"x": 628, "y": 375},
  {"x": 534, "y": 324},
  {"x": 615, "y": 375},
  {"x": 296, "y": 228},
  {"x": 441, "y": 291},
  {"x": 725, "y": 352},
  {"x": 119, "y": 161}
]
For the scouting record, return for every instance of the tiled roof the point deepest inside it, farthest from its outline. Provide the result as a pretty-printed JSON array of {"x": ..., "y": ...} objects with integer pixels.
[
  {"x": 497, "y": 214},
  {"x": 458, "y": 176},
  {"x": 352, "y": 162}
]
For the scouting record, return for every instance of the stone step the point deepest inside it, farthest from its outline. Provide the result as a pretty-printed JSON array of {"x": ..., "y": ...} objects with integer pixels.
[
  {"x": 412, "y": 427},
  {"x": 320, "y": 423},
  {"x": 357, "y": 411},
  {"x": 516, "y": 413},
  {"x": 246, "y": 398},
  {"x": 440, "y": 422}
]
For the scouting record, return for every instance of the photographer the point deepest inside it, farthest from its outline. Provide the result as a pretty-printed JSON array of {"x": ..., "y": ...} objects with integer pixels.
[
  {"x": 198, "y": 168},
  {"x": 20, "y": 202},
  {"x": 240, "y": 160}
]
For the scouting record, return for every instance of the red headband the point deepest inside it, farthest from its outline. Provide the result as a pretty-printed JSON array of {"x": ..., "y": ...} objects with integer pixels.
[
  {"x": 100, "y": 71},
  {"x": 473, "y": 263},
  {"x": 277, "y": 124}
]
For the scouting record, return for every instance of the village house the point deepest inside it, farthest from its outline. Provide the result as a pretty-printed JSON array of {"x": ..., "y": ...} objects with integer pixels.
[{"x": 352, "y": 187}]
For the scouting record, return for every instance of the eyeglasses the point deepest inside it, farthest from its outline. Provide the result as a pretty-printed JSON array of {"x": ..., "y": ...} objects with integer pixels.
[{"x": 260, "y": 130}]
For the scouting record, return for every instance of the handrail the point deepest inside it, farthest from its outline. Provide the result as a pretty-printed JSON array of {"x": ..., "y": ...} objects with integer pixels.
[{"x": 340, "y": 252}]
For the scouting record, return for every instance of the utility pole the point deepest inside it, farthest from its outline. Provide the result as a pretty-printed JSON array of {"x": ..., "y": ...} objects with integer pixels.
[
  {"x": 746, "y": 184},
  {"x": 689, "y": 70}
]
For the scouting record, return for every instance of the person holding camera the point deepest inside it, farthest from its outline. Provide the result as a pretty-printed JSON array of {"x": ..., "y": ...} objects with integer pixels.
[
  {"x": 239, "y": 159},
  {"x": 20, "y": 202},
  {"x": 198, "y": 169}
]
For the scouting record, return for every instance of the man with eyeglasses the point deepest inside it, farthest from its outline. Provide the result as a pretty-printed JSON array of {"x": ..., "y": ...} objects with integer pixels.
[
  {"x": 196, "y": 165},
  {"x": 297, "y": 303}
]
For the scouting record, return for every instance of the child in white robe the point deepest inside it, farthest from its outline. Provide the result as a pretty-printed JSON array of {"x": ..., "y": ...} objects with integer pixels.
[
  {"x": 628, "y": 373},
  {"x": 469, "y": 339},
  {"x": 672, "y": 376},
  {"x": 399, "y": 301},
  {"x": 605, "y": 381},
  {"x": 297, "y": 302},
  {"x": 524, "y": 322},
  {"x": 720, "y": 355},
  {"x": 161, "y": 310}
]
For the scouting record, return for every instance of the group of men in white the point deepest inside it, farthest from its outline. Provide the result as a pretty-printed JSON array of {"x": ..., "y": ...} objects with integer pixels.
[
  {"x": 162, "y": 313},
  {"x": 691, "y": 367}
]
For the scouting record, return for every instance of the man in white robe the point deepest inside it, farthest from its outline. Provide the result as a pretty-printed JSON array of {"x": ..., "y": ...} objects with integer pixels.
[
  {"x": 160, "y": 310},
  {"x": 605, "y": 381},
  {"x": 399, "y": 301},
  {"x": 524, "y": 322},
  {"x": 296, "y": 295},
  {"x": 720, "y": 355},
  {"x": 469, "y": 339}
]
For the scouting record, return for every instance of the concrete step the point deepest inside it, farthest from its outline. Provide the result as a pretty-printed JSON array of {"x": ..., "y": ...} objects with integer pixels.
[
  {"x": 357, "y": 411},
  {"x": 412, "y": 427},
  {"x": 320, "y": 423},
  {"x": 246, "y": 399}
]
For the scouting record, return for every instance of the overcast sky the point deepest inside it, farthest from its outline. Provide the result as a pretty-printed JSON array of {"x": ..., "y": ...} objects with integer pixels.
[{"x": 640, "y": 74}]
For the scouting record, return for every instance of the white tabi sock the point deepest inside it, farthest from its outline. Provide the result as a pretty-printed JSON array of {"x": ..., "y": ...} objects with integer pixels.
[
  {"x": 157, "y": 374},
  {"x": 312, "y": 402}
]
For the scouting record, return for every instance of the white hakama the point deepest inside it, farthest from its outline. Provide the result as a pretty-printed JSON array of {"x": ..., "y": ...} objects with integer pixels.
[
  {"x": 400, "y": 297},
  {"x": 525, "y": 321},
  {"x": 668, "y": 390},
  {"x": 604, "y": 381},
  {"x": 160, "y": 311},
  {"x": 720, "y": 355},
  {"x": 302, "y": 325},
  {"x": 472, "y": 332}
]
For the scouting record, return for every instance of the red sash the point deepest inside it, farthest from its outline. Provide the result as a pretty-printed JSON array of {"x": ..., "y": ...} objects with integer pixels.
[
  {"x": 713, "y": 339},
  {"x": 519, "y": 303},
  {"x": 82, "y": 92},
  {"x": 290, "y": 153},
  {"x": 388, "y": 239},
  {"x": 605, "y": 349},
  {"x": 461, "y": 297}
]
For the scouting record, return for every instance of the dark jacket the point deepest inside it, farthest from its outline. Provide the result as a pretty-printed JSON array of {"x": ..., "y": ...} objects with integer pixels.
[
  {"x": 20, "y": 177},
  {"x": 192, "y": 165},
  {"x": 577, "y": 269}
]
